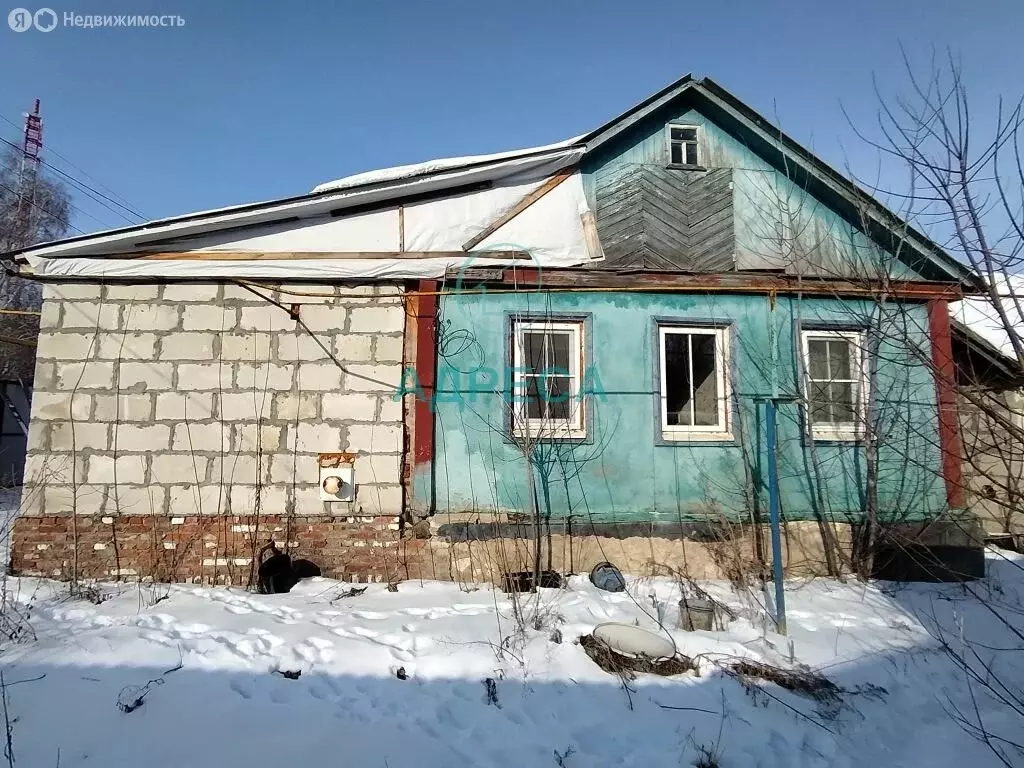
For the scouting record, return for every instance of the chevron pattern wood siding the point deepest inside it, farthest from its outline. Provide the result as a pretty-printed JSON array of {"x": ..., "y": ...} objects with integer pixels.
[{"x": 656, "y": 218}]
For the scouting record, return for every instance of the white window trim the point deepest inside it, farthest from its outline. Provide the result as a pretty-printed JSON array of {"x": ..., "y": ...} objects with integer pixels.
[
  {"x": 722, "y": 362},
  {"x": 845, "y": 432},
  {"x": 575, "y": 427},
  {"x": 697, "y": 141}
]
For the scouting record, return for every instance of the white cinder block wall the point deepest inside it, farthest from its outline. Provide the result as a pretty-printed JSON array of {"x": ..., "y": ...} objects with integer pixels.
[{"x": 186, "y": 399}]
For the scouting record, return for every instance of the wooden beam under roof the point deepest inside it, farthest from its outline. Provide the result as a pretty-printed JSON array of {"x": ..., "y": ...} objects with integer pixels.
[
  {"x": 523, "y": 203},
  {"x": 569, "y": 279},
  {"x": 313, "y": 255}
]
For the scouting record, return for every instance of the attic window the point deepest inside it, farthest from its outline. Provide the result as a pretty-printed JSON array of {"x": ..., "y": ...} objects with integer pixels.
[{"x": 683, "y": 145}]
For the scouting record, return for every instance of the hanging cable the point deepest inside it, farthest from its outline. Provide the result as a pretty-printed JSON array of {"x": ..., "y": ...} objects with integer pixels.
[
  {"x": 48, "y": 213},
  {"x": 82, "y": 187},
  {"x": 117, "y": 199}
]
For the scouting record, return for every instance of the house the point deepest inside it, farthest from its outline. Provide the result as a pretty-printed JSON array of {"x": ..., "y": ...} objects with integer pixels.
[
  {"x": 17, "y": 365},
  {"x": 426, "y": 370},
  {"x": 990, "y": 384}
]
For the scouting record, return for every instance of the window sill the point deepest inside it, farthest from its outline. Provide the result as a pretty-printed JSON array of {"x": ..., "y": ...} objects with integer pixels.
[
  {"x": 837, "y": 437},
  {"x": 701, "y": 439},
  {"x": 685, "y": 167},
  {"x": 682, "y": 437},
  {"x": 550, "y": 435}
]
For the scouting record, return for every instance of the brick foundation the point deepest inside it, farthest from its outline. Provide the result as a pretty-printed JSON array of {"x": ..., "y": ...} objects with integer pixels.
[
  {"x": 213, "y": 549},
  {"x": 219, "y": 550}
]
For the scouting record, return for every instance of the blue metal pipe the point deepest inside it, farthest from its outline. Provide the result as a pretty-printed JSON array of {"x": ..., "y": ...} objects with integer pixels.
[{"x": 773, "y": 516}]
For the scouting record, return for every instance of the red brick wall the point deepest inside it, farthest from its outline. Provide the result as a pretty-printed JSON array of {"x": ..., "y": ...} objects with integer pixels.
[{"x": 210, "y": 549}]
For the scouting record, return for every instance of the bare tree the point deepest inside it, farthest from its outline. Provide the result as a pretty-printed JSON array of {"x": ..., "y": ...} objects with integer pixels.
[
  {"x": 965, "y": 190},
  {"x": 33, "y": 208},
  {"x": 965, "y": 184}
]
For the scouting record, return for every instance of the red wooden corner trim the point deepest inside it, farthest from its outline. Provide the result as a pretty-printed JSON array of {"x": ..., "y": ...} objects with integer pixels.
[
  {"x": 426, "y": 371},
  {"x": 949, "y": 427}
]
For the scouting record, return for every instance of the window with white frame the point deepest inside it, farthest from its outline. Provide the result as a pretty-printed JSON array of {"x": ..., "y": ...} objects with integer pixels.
[
  {"x": 694, "y": 386},
  {"x": 683, "y": 144},
  {"x": 835, "y": 383},
  {"x": 546, "y": 362}
]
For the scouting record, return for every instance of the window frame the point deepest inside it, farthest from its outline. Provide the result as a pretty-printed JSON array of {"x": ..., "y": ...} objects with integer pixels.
[
  {"x": 837, "y": 431},
  {"x": 723, "y": 347},
  {"x": 520, "y": 425},
  {"x": 696, "y": 142}
]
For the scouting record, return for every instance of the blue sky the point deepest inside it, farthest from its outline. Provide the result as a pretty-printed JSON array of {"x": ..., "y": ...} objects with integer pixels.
[{"x": 257, "y": 100}]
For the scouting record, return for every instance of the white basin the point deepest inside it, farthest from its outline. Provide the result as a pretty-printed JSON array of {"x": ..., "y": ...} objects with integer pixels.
[{"x": 631, "y": 640}]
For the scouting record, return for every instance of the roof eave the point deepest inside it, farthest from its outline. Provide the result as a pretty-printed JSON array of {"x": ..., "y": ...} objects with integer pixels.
[
  {"x": 707, "y": 88},
  {"x": 841, "y": 184},
  {"x": 349, "y": 196},
  {"x": 637, "y": 112},
  {"x": 992, "y": 354}
]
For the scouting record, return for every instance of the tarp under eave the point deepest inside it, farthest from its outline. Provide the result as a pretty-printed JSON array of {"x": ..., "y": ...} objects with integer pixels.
[{"x": 444, "y": 203}]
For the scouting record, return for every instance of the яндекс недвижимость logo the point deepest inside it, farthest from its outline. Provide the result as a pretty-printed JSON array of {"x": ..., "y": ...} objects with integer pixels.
[
  {"x": 46, "y": 20},
  {"x": 22, "y": 19}
]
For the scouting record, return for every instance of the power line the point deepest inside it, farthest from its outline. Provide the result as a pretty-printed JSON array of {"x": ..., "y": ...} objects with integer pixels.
[
  {"x": 82, "y": 187},
  {"x": 18, "y": 149},
  {"x": 85, "y": 186},
  {"x": 48, "y": 213},
  {"x": 120, "y": 200},
  {"x": 72, "y": 206},
  {"x": 126, "y": 203},
  {"x": 133, "y": 212}
]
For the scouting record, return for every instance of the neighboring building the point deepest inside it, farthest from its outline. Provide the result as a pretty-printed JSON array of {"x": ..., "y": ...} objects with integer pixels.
[
  {"x": 991, "y": 409},
  {"x": 658, "y": 278},
  {"x": 17, "y": 366},
  {"x": 15, "y": 405}
]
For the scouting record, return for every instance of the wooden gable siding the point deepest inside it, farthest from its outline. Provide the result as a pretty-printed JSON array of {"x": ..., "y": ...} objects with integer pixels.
[
  {"x": 777, "y": 224},
  {"x": 651, "y": 217}
]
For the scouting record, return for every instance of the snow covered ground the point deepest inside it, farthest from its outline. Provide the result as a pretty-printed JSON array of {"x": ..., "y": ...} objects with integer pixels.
[{"x": 230, "y": 705}]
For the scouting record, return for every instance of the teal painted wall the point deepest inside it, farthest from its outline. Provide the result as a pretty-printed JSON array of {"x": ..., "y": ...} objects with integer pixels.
[
  {"x": 778, "y": 224},
  {"x": 622, "y": 472}
]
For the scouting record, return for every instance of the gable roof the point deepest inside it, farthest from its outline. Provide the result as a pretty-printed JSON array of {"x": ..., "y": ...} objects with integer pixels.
[
  {"x": 395, "y": 184},
  {"x": 808, "y": 170}
]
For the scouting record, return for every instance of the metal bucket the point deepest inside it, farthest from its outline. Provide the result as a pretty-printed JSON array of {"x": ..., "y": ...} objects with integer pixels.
[{"x": 697, "y": 614}]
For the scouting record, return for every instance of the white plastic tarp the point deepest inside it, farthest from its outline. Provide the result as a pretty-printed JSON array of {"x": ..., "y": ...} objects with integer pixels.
[
  {"x": 399, "y": 172},
  {"x": 550, "y": 231}
]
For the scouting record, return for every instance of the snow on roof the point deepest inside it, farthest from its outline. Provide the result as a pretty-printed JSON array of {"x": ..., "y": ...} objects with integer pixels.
[
  {"x": 399, "y": 172},
  {"x": 979, "y": 314}
]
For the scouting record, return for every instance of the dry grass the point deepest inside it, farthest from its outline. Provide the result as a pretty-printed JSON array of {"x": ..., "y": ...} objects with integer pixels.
[
  {"x": 627, "y": 667},
  {"x": 802, "y": 681}
]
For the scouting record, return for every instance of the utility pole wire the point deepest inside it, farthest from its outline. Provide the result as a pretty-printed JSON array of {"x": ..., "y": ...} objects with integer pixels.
[
  {"x": 48, "y": 213},
  {"x": 83, "y": 187},
  {"x": 126, "y": 203}
]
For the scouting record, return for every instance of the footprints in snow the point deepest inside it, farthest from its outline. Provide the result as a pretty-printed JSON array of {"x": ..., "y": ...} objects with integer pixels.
[
  {"x": 240, "y": 604},
  {"x": 335, "y": 618},
  {"x": 403, "y": 647},
  {"x": 255, "y": 647},
  {"x": 464, "y": 609}
]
